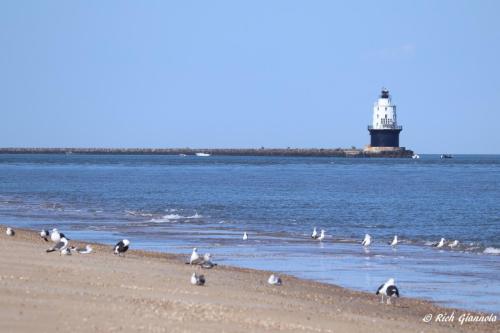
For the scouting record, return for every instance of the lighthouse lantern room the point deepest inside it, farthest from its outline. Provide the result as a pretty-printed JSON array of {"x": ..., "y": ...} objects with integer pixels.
[{"x": 384, "y": 131}]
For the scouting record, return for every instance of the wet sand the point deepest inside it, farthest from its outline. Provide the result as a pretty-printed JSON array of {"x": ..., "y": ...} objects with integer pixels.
[{"x": 147, "y": 291}]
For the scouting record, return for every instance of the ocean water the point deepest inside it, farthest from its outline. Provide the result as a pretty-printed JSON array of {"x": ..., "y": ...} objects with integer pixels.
[{"x": 173, "y": 203}]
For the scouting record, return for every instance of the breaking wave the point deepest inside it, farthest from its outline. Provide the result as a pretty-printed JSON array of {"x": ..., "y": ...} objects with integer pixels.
[{"x": 175, "y": 217}]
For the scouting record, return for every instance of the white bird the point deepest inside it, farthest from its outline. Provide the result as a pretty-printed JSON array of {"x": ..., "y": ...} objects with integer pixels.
[
  {"x": 66, "y": 251},
  {"x": 10, "y": 232},
  {"x": 45, "y": 234},
  {"x": 453, "y": 244},
  {"x": 85, "y": 250},
  {"x": 245, "y": 236},
  {"x": 314, "y": 234},
  {"x": 195, "y": 258},
  {"x": 322, "y": 235},
  {"x": 55, "y": 236},
  {"x": 59, "y": 246},
  {"x": 394, "y": 241},
  {"x": 388, "y": 289},
  {"x": 440, "y": 244},
  {"x": 367, "y": 241},
  {"x": 121, "y": 247},
  {"x": 197, "y": 280},
  {"x": 274, "y": 280}
]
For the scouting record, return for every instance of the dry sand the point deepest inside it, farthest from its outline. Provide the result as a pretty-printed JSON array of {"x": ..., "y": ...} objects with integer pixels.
[{"x": 145, "y": 291}]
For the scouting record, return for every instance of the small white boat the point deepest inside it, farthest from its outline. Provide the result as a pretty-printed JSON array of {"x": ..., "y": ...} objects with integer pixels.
[
  {"x": 202, "y": 154},
  {"x": 415, "y": 156}
]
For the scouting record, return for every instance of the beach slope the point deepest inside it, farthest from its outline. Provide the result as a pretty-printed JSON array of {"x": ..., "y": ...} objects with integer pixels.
[{"x": 142, "y": 291}]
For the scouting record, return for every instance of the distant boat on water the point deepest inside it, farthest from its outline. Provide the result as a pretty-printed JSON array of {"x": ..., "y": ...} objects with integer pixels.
[
  {"x": 446, "y": 156},
  {"x": 415, "y": 156},
  {"x": 202, "y": 154}
]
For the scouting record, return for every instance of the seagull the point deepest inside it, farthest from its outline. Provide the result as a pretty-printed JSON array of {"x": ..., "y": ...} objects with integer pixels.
[
  {"x": 314, "y": 234},
  {"x": 195, "y": 258},
  {"x": 197, "y": 280},
  {"x": 440, "y": 244},
  {"x": 245, "y": 236},
  {"x": 45, "y": 234},
  {"x": 121, "y": 247},
  {"x": 453, "y": 244},
  {"x": 274, "y": 280},
  {"x": 367, "y": 241},
  {"x": 66, "y": 251},
  {"x": 55, "y": 236},
  {"x": 10, "y": 232},
  {"x": 82, "y": 250},
  {"x": 322, "y": 236},
  {"x": 61, "y": 245},
  {"x": 207, "y": 261},
  {"x": 394, "y": 241},
  {"x": 388, "y": 289}
]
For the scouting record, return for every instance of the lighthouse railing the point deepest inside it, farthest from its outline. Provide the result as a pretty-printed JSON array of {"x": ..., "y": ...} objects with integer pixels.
[{"x": 399, "y": 127}]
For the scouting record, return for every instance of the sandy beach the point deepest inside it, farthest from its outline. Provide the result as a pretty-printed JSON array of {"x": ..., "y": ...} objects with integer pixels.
[{"x": 145, "y": 291}]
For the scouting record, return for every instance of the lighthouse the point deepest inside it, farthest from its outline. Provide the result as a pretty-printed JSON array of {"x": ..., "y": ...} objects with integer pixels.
[{"x": 384, "y": 131}]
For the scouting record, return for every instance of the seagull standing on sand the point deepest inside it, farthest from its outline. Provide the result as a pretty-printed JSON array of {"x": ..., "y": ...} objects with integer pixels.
[
  {"x": 197, "y": 280},
  {"x": 388, "y": 289},
  {"x": 367, "y": 241},
  {"x": 61, "y": 245},
  {"x": 440, "y": 244},
  {"x": 314, "y": 234},
  {"x": 121, "y": 247},
  {"x": 195, "y": 258},
  {"x": 453, "y": 244},
  {"x": 55, "y": 236},
  {"x": 85, "y": 250},
  {"x": 322, "y": 235},
  {"x": 274, "y": 280},
  {"x": 10, "y": 232},
  {"x": 245, "y": 236},
  {"x": 45, "y": 234},
  {"x": 394, "y": 241}
]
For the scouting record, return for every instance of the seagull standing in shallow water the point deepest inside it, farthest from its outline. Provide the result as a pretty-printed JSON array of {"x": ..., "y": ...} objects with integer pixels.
[
  {"x": 197, "y": 280},
  {"x": 388, "y": 289},
  {"x": 394, "y": 241},
  {"x": 121, "y": 247},
  {"x": 245, "y": 236},
  {"x": 274, "y": 280},
  {"x": 440, "y": 244},
  {"x": 453, "y": 244},
  {"x": 367, "y": 241},
  {"x": 10, "y": 232},
  {"x": 322, "y": 235},
  {"x": 314, "y": 234}
]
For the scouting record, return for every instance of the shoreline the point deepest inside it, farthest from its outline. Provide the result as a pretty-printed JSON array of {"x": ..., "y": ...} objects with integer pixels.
[{"x": 150, "y": 291}]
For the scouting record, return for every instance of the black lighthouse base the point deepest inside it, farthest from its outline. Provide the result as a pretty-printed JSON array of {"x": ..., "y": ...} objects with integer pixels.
[{"x": 384, "y": 137}]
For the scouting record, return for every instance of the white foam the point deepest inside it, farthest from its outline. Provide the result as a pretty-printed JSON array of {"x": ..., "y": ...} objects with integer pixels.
[
  {"x": 491, "y": 250},
  {"x": 175, "y": 217},
  {"x": 138, "y": 213}
]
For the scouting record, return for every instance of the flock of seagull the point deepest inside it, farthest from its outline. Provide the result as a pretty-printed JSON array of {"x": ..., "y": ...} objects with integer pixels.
[{"x": 61, "y": 244}]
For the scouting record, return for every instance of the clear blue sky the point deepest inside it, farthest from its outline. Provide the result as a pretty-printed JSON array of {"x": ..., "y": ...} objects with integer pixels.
[{"x": 248, "y": 73}]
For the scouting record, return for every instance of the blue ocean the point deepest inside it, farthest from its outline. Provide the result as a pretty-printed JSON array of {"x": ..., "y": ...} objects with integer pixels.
[{"x": 174, "y": 203}]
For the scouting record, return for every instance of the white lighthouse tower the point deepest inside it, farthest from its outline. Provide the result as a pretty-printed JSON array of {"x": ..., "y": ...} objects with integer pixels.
[{"x": 384, "y": 130}]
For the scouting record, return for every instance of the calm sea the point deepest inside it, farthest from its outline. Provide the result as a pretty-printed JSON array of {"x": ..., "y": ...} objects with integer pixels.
[{"x": 173, "y": 203}]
